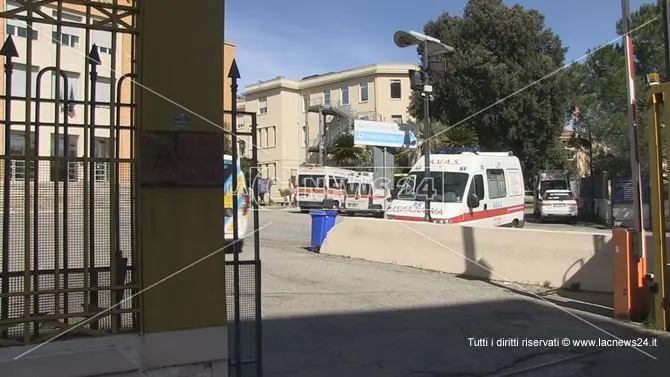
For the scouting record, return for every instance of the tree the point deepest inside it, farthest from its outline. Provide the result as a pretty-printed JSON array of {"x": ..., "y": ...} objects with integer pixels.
[
  {"x": 500, "y": 50},
  {"x": 345, "y": 154},
  {"x": 599, "y": 89},
  {"x": 451, "y": 137}
]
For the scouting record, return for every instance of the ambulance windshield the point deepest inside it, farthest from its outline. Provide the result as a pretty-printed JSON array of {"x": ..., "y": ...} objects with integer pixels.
[
  {"x": 352, "y": 188},
  {"x": 311, "y": 180},
  {"x": 445, "y": 187}
]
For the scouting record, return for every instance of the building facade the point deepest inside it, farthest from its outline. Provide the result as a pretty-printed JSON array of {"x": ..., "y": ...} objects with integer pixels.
[
  {"x": 229, "y": 52},
  {"x": 293, "y": 114},
  {"x": 67, "y": 50}
]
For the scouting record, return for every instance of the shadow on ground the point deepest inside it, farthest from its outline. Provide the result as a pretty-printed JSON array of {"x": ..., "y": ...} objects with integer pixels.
[{"x": 439, "y": 342}]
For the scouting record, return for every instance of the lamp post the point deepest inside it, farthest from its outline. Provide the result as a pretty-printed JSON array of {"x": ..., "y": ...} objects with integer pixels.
[{"x": 431, "y": 47}]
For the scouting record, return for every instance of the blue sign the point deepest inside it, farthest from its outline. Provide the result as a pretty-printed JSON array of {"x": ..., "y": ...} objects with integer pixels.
[
  {"x": 380, "y": 134},
  {"x": 622, "y": 191}
]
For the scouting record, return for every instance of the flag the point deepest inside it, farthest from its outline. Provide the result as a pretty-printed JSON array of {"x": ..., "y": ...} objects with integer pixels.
[{"x": 70, "y": 105}]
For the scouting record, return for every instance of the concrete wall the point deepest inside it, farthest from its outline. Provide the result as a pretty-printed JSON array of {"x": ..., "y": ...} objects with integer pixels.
[
  {"x": 150, "y": 355},
  {"x": 537, "y": 257},
  {"x": 527, "y": 256}
]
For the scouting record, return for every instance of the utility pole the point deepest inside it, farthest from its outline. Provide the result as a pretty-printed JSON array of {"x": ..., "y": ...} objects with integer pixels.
[{"x": 638, "y": 218}]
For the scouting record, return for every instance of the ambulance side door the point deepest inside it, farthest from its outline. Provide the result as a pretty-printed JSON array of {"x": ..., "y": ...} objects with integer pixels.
[{"x": 478, "y": 188}]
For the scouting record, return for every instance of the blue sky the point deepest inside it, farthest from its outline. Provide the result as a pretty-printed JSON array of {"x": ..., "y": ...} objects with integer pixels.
[{"x": 296, "y": 38}]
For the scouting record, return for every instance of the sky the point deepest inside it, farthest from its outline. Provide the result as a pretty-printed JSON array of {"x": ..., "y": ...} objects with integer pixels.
[{"x": 297, "y": 38}]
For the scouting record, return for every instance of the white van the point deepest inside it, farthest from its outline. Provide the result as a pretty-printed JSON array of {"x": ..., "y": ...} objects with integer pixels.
[
  {"x": 363, "y": 197},
  {"x": 321, "y": 187},
  {"x": 474, "y": 188}
]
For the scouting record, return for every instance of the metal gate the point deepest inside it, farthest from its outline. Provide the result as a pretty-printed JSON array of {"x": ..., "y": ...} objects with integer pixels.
[
  {"x": 67, "y": 167},
  {"x": 243, "y": 277}
]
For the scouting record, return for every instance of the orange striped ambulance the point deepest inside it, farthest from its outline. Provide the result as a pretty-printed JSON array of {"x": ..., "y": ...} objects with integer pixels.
[
  {"x": 363, "y": 197},
  {"x": 321, "y": 187}
]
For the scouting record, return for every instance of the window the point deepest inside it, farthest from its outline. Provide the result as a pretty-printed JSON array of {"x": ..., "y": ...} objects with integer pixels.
[
  {"x": 103, "y": 92},
  {"x": 336, "y": 183},
  {"x": 21, "y": 31},
  {"x": 72, "y": 86},
  {"x": 66, "y": 168},
  {"x": 515, "y": 182},
  {"x": 365, "y": 189},
  {"x": 263, "y": 105},
  {"x": 396, "y": 118},
  {"x": 310, "y": 180},
  {"x": 260, "y": 138},
  {"x": 364, "y": 92},
  {"x": 101, "y": 149},
  {"x": 326, "y": 97},
  {"x": 17, "y": 149},
  {"x": 102, "y": 39},
  {"x": 567, "y": 195},
  {"x": 68, "y": 36},
  {"x": 19, "y": 28},
  {"x": 477, "y": 186},
  {"x": 496, "y": 183},
  {"x": 267, "y": 137},
  {"x": 19, "y": 79},
  {"x": 64, "y": 39},
  {"x": 396, "y": 89},
  {"x": 352, "y": 188},
  {"x": 272, "y": 136},
  {"x": 304, "y": 136},
  {"x": 344, "y": 92},
  {"x": 437, "y": 187}
]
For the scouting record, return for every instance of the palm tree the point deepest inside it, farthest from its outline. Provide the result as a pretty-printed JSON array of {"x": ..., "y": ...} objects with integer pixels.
[
  {"x": 459, "y": 136},
  {"x": 344, "y": 153}
]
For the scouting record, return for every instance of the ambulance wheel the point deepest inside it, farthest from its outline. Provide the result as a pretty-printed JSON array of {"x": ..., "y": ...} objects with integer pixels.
[
  {"x": 335, "y": 205},
  {"x": 516, "y": 223}
]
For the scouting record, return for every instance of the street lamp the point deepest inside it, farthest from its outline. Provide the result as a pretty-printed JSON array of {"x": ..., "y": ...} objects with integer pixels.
[{"x": 431, "y": 47}]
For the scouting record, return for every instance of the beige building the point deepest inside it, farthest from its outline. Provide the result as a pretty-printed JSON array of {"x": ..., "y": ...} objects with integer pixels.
[
  {"x": 291, "y": 113},
  {"x": 229, "y": 50}
]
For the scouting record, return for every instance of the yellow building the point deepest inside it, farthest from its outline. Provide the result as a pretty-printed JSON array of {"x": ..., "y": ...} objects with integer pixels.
[
  {"x": 72, "y": 45},
  {"x": 291, "y": 112},
  {"x": 229, "y": 50}
]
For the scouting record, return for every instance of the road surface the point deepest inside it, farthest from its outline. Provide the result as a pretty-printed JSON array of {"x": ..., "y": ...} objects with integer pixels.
[{"x": 331, "y": 316}]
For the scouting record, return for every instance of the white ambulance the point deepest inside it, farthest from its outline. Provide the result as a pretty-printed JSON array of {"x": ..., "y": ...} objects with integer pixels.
[
  {"x": 473, "y": 188},
  {"x": 321, "y": 187},
  {"x": 363, "y": 197}
]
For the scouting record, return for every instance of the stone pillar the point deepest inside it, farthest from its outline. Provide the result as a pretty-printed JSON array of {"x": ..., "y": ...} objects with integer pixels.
[{"x": 180, "y": 60}]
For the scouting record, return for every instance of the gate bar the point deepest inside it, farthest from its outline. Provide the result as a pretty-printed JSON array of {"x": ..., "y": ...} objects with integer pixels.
[{"x": 9, "y": 50}]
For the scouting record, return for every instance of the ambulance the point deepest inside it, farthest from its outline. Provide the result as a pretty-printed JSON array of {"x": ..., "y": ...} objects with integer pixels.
[
  {"x": 475, "y": 188},
  {"x": 241, "y": 195},
  {"x": 321, "y": 187},
  {"x": 363, "y": 197}
]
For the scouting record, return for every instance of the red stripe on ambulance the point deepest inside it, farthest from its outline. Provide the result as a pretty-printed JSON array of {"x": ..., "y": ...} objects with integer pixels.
[{"x": 468, "y": 216}]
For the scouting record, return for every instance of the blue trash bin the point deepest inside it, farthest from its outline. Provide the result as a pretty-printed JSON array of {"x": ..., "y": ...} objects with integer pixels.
[
  {"x": 319, "y": 219},
  {"x": 331, "y": 216}
]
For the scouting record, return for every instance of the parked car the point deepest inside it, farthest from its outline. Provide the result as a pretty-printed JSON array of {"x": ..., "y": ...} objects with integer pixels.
[{"x": 559, "y": 204}]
